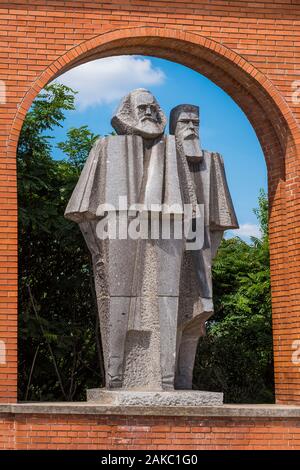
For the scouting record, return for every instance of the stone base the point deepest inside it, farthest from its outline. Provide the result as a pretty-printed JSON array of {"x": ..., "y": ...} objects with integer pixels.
[{"x": 154, "y": 398}]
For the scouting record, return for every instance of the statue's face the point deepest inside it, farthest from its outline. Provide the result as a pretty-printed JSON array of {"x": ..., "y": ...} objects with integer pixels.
[
  {"x": 147, "y": 114},
  {"x": 139, "y": 114},
  {"x": 187, "y": 126}
]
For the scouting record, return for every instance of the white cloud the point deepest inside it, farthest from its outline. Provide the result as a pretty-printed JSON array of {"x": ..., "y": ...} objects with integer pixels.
[
  {"x": 104, "y": 81},
  {"x": 246, "y": 231}
]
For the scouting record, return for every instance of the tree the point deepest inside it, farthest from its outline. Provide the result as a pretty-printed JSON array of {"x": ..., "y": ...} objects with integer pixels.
[
  {"x": 57, "y": 312},
  {"x": 236, "y": 355},
  {"x": 77, "y": 146}
]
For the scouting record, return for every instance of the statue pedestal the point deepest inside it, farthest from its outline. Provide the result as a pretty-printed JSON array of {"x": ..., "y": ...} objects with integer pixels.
[{"x": 154, "y": 398}]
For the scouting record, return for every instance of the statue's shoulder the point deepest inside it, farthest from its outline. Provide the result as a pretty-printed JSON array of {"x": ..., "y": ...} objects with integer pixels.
[
  {"x": 218, "y": 157},
  {"x": 211, "y": 154},
  {"x": 96, "y": 147},
  {"x": 111, "y": 142},
  {"x": 119, "y": 139},
  {"x": 169, "y": 141},
  {"x": 98, "y": 142},
  {"x": 215, "y": 156}
]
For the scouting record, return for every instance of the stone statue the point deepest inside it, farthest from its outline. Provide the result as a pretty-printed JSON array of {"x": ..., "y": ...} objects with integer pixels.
[
  {"x": 132, "y": 187},
  {"x": 195, "y": 302}
]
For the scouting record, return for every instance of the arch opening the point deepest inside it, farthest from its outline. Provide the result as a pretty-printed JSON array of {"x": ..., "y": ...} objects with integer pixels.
[{"x": 265, "y": 110}]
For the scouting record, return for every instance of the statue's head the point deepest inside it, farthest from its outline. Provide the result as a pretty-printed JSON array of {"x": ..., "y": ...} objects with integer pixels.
[
  {"x": 139, "y": 113},
  {"x": 184, "y": 121},
  {"x": 184, "y": 124}
]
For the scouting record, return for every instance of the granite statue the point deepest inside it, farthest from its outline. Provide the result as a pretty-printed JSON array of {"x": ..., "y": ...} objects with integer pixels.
[
  {"x": 209, "y": 180},
  {"x": 154, "y": 294}
]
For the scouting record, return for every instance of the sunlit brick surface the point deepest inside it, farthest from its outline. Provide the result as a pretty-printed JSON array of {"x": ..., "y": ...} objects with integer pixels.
[
  {"x": 251, "y": 49},
  {"x": 119, "y": 432}
]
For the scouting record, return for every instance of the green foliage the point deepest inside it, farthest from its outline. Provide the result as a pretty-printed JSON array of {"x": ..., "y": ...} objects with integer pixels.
[
  {"x": 78, "y": 144},
  {"x": 58, "y": 351},
  {"x": 236, "y": 355}
]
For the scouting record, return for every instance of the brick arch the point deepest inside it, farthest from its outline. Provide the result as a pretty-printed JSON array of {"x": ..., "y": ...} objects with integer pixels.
[
  {"x": 275, "y": 127},
  {"x": 264, "y": 106}
]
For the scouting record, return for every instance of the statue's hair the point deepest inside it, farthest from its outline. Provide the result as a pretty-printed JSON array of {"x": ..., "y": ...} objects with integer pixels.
[
  {"x": 123, "y": 119},
  {"x": 175, "y": 113}
]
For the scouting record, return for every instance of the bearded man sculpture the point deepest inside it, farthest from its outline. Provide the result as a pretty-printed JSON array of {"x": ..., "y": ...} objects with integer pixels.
[
  {"x": 208, "y": 174},
  {"x": 136, "y": 176}
]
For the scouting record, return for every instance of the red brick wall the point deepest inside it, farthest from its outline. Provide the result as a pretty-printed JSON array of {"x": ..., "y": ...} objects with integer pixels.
[
  {"x": 251, "y": 49},
  {"x": 137, "y": 432}
]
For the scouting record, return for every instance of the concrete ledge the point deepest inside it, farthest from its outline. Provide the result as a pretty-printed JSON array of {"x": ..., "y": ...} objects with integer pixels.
[{"x": 224, "y": 411}]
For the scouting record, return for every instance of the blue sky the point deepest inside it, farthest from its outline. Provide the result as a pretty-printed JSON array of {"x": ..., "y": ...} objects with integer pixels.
[{"x": 223, "y": 126}]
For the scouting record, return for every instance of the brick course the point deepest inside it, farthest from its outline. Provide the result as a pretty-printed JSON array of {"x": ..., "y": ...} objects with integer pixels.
[
  {"x": 35, "y": 431},
  {"x": 250, "y": 49}
]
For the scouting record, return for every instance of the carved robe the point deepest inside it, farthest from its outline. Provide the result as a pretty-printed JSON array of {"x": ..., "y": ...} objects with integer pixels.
[
  {"x": 137, "y": 281},
  {"x": 120, "y": 166},
  {"x": 195, "y": 298}
]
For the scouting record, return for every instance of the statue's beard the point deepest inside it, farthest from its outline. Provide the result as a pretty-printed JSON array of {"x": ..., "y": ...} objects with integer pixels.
[
  {"x": 149, "y": 128},
  {"x": 191, "y": 147}
]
